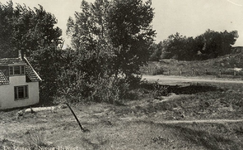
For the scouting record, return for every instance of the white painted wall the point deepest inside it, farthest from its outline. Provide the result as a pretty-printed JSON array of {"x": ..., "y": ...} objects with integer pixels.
[{"x": 7, "y": 99}]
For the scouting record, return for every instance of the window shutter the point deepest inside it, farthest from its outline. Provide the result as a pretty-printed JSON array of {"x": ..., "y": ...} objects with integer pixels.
[
  {"x": 16, "y": 92},
  {"x": 22, "y": 70},
  {"x": 26, "y": 91}
]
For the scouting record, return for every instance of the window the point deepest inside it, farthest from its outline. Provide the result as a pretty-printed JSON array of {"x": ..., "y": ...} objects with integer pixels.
[
  {"x": 17, "y": 70},
  {"x": 20, "y": 92},
  {"x": 11, "y": 70}
]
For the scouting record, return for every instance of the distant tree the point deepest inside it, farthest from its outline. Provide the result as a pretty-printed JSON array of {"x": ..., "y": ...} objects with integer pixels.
[
  {"x": 211, "y": 44},
  {"x": 178, "y": 47},
  {"x": 190, "y": 51},
  {"x": 156, "y": 51},
  {"x": 217, "y": 43}
]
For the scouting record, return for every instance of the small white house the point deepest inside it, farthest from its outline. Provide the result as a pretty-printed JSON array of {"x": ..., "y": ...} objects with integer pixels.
[{"x": 19, "y": 83}]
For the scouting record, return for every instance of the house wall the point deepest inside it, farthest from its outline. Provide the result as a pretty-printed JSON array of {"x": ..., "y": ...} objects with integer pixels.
[{"x": 7, "y": 99}]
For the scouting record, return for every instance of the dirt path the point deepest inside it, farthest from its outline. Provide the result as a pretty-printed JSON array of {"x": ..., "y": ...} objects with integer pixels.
[
  {"x": 199, "y": 121},
  {"x": 176, "y": 79}
]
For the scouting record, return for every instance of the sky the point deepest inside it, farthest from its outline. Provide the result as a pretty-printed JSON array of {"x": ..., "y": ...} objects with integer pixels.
[{"x": 187, "y": 17}]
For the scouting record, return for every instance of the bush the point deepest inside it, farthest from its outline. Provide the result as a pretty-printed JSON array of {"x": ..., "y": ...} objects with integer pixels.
[
  {"x": 110, "y": 90},
  {"x": 158, "y": 71},
  {"x": 159, "y": 90}
]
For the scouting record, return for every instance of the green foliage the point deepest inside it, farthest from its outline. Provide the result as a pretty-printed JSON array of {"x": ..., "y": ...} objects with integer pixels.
[
  {"x": 77, "y": 86},
  {"x": 217, "y": 43},
  {"x": 131, "y": 33},
  {"x": 158, "y": 71},
  {"x": 211, "y": 44},
  {"x": 6, "y": 15},
  {"x": 115, "y": 34},
  {"x": 47, "y": 62},
  {"x": 156, "y": 51},
  {"x": 159, "y": 90},
  {"x": 110, "y": 41},
  {"x": 90, "y": 40},
  {"x": 22, "y": 28}
]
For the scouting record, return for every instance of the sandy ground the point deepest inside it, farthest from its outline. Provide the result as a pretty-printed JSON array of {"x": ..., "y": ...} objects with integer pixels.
[{"x": 180, "y": 79}]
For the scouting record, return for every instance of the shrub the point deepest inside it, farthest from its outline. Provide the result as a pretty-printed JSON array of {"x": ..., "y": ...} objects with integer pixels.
[
  {"x": 158, "y": 71},
  {"x": 108, "y": 90},
  {"x": 159, "y": 90}
]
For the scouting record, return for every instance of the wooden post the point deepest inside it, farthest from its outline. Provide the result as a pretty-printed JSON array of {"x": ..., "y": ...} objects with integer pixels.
[
  {"x": 193, "y": 71},
  {"x": 220, "y": 72},
  {"x": 180, "y": 72},
  {"x": 84, "y": 130},
  {"x": 169, "y": 72},
  {"x": 206, "y": 71}
]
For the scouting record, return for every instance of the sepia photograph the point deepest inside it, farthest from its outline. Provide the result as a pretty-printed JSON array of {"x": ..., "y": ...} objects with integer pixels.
[{"x": 121, "y": 75}]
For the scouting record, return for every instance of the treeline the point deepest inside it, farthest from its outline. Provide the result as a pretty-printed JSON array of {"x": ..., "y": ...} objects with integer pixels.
[
  {"x": 110, "y": 41},
  {"x": 210, "y": 44}
]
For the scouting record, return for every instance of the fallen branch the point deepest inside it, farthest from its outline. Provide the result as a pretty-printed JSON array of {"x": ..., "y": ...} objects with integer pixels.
[{"x": 39, "y": 109}]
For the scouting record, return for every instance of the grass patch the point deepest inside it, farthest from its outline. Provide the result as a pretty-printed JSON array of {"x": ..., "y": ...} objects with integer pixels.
[{"x": 221, "y": 67}]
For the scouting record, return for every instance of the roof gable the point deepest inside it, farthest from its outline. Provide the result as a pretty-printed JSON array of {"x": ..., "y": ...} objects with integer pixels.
[{"x": 31, "y": 74}]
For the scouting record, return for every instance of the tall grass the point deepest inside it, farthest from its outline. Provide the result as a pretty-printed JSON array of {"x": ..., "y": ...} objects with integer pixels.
[
  {"x": 34, "y": 140},
  {"x": 218, "y": 67}
]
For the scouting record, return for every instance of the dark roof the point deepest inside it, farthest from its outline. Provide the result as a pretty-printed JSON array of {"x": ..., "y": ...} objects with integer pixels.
[
  {"x": 30, "y": 72},
  {"x": 9, "y": 61},
  {"x": 3, "y": 79},
  {"x": 31, "y": 75}
]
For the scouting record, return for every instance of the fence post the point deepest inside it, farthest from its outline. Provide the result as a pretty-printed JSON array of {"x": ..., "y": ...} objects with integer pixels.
[
  {"x": 192, "y": 71},
  {"x": 206, "y": 71},
  {"x": 169, "y": 72},
  {"x": 220, "y": 72}
]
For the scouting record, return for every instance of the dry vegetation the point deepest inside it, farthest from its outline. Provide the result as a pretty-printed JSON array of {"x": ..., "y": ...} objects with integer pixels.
[
  {"x": 137, "y": 124},
  {"x": 206, "y": 68}
]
